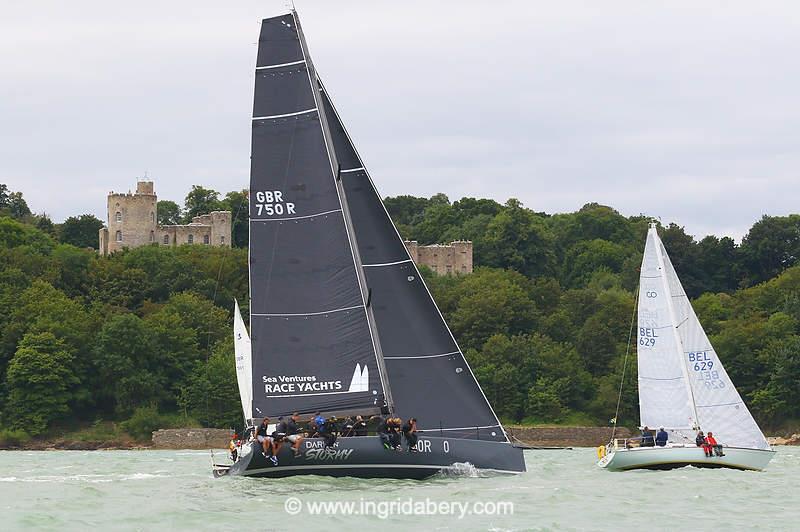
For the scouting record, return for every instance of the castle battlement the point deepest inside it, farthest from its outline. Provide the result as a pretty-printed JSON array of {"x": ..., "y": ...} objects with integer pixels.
[
  {"x": 131, "y": 223},
  {"x": 452, "y": 258}
]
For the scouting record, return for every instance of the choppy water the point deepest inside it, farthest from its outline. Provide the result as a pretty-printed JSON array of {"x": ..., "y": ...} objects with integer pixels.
[{"x": 562, "y": 490}]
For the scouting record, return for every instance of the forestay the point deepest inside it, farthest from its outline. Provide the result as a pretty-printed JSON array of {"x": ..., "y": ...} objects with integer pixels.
[{"x": 312, "y": 343}]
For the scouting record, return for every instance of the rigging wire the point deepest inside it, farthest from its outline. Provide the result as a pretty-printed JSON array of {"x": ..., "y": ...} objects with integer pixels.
[
  {"x": 625, "y": 363},
  {"x": 216, "y": 288}
]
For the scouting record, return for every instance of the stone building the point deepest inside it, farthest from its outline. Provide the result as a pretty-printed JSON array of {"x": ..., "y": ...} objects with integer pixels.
[
  {"x": 132, "y": 223},
  {"x": 452, "y": 258}
]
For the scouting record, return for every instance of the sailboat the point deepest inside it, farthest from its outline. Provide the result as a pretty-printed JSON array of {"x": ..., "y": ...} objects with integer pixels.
[
  {"x": 683, "y": 386},
  {"x": 341, "y": 321}
]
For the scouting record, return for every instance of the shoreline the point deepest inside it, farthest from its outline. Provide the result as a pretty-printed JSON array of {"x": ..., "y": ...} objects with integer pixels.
[{"x": 204, "y": 439}]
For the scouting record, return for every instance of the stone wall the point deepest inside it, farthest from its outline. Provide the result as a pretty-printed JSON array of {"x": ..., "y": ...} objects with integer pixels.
[
  {"x": 565, "y": 436},
  {"x": 444, "y": 259},
  {"x": 191, "y": 438}
]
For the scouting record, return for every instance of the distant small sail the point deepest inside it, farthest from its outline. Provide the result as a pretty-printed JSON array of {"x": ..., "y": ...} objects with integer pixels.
[{"x": 244, "y": 363}]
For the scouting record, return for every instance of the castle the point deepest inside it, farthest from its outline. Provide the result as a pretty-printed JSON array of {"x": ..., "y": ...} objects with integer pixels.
[
  {"x": 452, "y": 258},
  {"x": 132, "y": 223}
]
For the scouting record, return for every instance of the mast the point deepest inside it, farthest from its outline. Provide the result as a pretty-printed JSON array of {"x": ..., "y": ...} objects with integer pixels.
[
  {"x": 351, "y": 234},
  {"x": 679, "y": 351}
]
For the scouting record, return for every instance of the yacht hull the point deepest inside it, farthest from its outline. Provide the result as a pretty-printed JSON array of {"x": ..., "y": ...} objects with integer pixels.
[
  {"x": 365, "y": 457},
  {"x": 672, "y": 457}
]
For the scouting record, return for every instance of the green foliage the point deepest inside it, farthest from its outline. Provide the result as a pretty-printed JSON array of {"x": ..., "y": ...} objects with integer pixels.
[
  {"x": 211, "y": 393},
  {"x": 200, "y": 201},
  {"x": 81, "y": 231},
  {"x": 238, "y": 204},
  {"x": 168, "y": 213},
  {"x": 144, "y": 334},
  {"x": 40, "y": 383},
  {"x": 13, "y": 437}
]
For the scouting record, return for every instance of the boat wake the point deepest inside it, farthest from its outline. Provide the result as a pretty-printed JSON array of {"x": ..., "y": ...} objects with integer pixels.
[{"x": 461, "y": 469}]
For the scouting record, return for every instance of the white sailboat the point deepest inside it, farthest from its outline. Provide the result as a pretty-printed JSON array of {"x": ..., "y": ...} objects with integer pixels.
[
  {"x": 683, "y": 386},
  {"x": 244, "y": 362}
]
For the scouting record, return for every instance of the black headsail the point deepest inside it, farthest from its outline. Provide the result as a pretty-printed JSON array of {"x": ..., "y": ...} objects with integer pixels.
[
  {"x": 427, "y": 372},
  {"x": 313, "y": 347}
]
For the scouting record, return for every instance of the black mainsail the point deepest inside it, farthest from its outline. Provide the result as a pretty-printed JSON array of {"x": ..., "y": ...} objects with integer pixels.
[
  {"x": 341, "y": 319},
  {"x": 312, "y": 345}
]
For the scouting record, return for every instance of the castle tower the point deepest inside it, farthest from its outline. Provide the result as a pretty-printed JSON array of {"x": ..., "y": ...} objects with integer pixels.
[
  {"x": 221, "y": 227},
  {"x": 131, "y": 219}
]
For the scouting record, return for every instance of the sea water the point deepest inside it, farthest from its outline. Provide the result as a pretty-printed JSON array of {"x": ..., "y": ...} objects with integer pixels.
[{"x": 562, "y": 490}]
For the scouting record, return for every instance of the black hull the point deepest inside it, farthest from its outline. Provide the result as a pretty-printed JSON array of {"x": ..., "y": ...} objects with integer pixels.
[{"x": 365, "y": 457}]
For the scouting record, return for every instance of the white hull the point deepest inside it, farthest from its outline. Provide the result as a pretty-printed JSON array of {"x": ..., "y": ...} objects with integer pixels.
[{"x": 673, "y": 456}]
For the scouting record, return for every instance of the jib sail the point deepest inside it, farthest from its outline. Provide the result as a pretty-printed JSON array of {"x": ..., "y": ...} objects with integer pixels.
[{"x": 427, "y": 373}]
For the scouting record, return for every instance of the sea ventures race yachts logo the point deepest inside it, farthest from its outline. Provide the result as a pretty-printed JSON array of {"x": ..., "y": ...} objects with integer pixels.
[{"x": 284, "y": 385}]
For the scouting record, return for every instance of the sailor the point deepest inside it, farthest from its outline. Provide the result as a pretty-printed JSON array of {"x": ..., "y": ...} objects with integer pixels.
[
  {"x": 328, "y": 431},
  {"x": 266, "y": 441},
  {"x": 712, "y": 444},
  {"x": 647, "y": 438},
  {"x": 360, "y": 427},
  {"x": 410, "y": 432},
  {"x": 232, "y": 446},
  {"x": 383, "y": 431},
  {"x": 395, "y": 425},
  {"x": 319, "y": 420},
  {"x": 291, "y": 432},
  {"x": 700, "y": 440},
  {"x": 348, "y": 427},
  {"x": 661, "y": 437}
]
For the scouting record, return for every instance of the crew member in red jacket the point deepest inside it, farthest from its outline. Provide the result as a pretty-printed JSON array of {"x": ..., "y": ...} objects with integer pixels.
[{"x": 711, "y": 444}]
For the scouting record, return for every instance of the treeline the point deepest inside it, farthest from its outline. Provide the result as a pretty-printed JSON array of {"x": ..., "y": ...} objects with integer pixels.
[{"x": 544, "y": 320}]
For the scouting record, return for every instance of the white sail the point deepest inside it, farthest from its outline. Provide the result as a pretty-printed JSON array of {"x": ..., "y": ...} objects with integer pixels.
[
  {"x": 719, "y": 407},
  {"x": 244, "y": 364},
  {"x": 664, "y": 396}
]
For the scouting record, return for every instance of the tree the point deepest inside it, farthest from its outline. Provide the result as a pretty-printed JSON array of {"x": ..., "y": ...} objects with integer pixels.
[
  {"x": 406, "y": 210},
  {"x": 211, "y": 393},
  {"x": 237, "y": 203},
  {"x": 46, "y": 225},
  {"x": 771, "y": 246},
  {"x": 209, "y": 322},
  {"x": 200, "y": 201},
  {"x": 517, "y": 238},
  {"x": 127, "y": 369},
  {"x": 168, "y": 213},
  {"x": 40, "y": 382},
  {"x": 13, "y": 204},
  {"x": 81, "y": 231},
  {"x": 3, "y": 196},
  {"x": 780, "y": 399},
  {"x": 491, "y": 302}
]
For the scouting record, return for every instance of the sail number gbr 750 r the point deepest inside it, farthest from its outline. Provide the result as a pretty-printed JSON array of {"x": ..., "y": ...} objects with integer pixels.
[{"x": 271, "y": 203}]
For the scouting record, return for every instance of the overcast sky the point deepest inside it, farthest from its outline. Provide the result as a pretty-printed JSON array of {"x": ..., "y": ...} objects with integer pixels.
[{"x": 688, "y": 112}]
